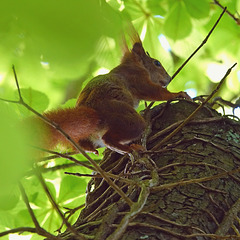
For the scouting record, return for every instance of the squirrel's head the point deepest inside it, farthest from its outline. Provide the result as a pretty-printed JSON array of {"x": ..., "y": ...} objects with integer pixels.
[{"x": 155, "y": 69}]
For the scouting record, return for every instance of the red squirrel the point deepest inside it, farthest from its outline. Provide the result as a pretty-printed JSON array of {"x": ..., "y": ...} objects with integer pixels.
[{"x": 105, "y": 112}]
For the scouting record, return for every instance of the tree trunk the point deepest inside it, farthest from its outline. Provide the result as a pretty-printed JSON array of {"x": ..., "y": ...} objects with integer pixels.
[{"x": 188, "y": 188}]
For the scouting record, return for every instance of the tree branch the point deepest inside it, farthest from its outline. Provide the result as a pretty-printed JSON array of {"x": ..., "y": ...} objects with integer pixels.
[
  {"x": 18, "y": 230},
  {"x": 237, "y": 20},
  {"x": 55, "y": 126},
  {"x": 201, "y": 45},
  {"x": 55, "y": 206},
  {"x": 173, "y": 133},
  {"x": 38, "y": 228}
]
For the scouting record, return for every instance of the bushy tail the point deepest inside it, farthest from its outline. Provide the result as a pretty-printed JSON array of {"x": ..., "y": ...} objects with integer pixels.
[{"x": 78, "y": 123}]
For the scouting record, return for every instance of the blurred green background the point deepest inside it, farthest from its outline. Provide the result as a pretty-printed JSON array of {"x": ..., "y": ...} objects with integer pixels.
[{"x": 56, "y": 46}]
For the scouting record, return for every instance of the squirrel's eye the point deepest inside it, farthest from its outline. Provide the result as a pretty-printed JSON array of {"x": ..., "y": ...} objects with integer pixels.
[{"x": 157, "y": 63}]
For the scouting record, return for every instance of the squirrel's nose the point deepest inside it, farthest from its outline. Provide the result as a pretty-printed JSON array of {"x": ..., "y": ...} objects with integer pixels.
[{"x": 165, "y": 81}]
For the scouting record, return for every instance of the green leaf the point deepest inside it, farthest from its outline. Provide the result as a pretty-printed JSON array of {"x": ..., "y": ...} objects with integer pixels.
[
  {"x": 156, "y": 7},
  {"x": 198, "y": 9},
  {"x": 178, "y": 23},
  {"x": 35, "y": 99},
  {"x": 23, "y": 218},
  {"x": 133, "y": 8},
  {"x": 14, "y": 153},
  {"x": 6, "y": 220},
  {"x": 9, "y": 200},
  {"x": 52, "y": 222},
  {"x": 71, "y": 187}
]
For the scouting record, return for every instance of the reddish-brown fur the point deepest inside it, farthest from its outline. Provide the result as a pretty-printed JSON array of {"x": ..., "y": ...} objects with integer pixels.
[
  {"x": 69, "y": 120},
  {"x": 105, "y": 108}
]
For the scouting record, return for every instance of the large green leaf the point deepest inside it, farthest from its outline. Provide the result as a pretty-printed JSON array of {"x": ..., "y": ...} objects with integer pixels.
[
  {"x": 178, "y": 23},
  {"x": 197, "y": 9}
]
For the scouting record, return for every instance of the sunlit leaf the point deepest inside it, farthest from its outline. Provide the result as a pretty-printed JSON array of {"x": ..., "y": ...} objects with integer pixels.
[
  {"x": 178, "y": 23},
  {"x": 156, "y": 7},
  {"x": 23, "y": 218},
  {"x": 35, "y": 99},
  {"x": 198, "y": 9},
  {"x": 71, "y": 187}
]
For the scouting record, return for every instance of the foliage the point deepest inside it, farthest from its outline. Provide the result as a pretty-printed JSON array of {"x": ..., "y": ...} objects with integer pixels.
[{"x": 57, "y": 46}]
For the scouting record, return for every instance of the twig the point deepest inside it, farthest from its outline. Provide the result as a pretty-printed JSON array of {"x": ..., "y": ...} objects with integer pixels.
[
  {"x": 55, "y": 206},
  {"x": 38, "y": 229},
  {"x": 135, "y": 209},
  {"x": 55, "y": 126},
  {"x": 83, "y": 175},
  {"x": 69, "y": 213},
  {"x": 237, "y": 20},
  {"x": 82, "y": 164},
  {"x": 56, "y": 168},
  {"x": 211, "y": 216},
  {"x": 201, "y": 45},
  {"x": 18, "y": 230},
  {"x": 179, "y": 235},
  {"x": 174, "y": 125},
  {"x": 191, "y": 181},
  {"x": 159, "y": 218},
  {"x": 215, "y": 145},
  {"x": 53, "y": 156},
  {"x": 194, "y": 112}
]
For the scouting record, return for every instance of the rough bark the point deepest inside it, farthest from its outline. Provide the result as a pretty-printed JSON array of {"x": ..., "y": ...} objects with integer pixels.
[{"x": 188, "y": 189}]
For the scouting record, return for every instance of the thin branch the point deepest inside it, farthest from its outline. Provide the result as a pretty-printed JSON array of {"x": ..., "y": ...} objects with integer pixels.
[
  {"x": 237, "y": 20},
  {"x": 173, "y": 133},
  {"x": 69, "y": 213},
  {"x": 54, "y": 156},
  {"x": 62, "y": 155},
  {"x": 18, "y": 230},
  {"x": 179, "y": 235},
  {"x": 55, "y": 206},
  {"x": 38, "y": 228},
  {"x": 16, "y": 81},
  {"x": 25, "y": 199},
  {"x": 191, "y": 181},
  {"x": 82, "y": 164},
  {"x": 55, "y": 126},
  {"x": 159, "y": 218},
  {"x": 83, "y": 175},
  {"x": 201, "y": 45},
  {"x": 135, "y": 209}
]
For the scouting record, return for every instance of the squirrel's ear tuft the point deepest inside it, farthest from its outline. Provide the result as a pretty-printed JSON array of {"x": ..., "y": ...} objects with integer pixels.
[{"x": 138, "y": 49}]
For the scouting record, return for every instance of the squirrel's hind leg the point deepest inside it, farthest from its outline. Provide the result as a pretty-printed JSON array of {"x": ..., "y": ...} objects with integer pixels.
[
  {"x": 124, "y": 126},
  {"x": 87, "y": 145}
]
